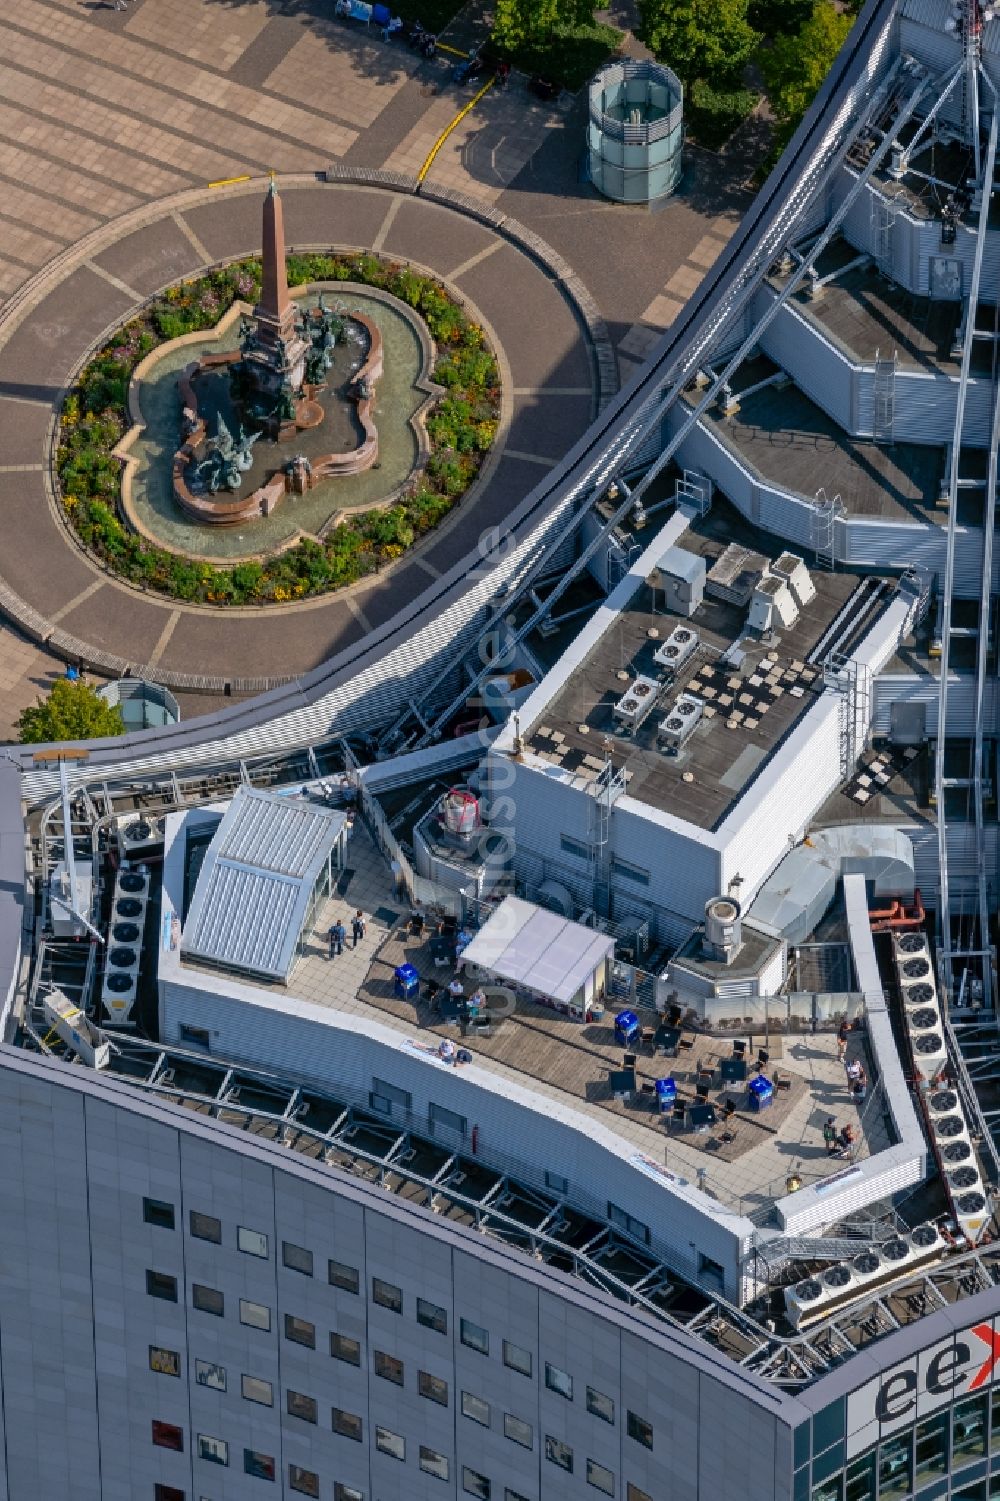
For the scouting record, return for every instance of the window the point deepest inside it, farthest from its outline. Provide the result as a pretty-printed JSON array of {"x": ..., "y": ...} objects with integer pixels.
[
  {"x": 432, "y": 1317},
  {"x": 475, "y": 1484},
  {"x": 251, "y": 1242},
  {"x": 629, "y": 872},
  {"x": 475, "y": 1408},
  {"x": 433, "y": 1388},
  {"x": 516, "y": 1358},
  {"x": 387, "y": 1296},
  {"x": 601, "y": 1406},
  {"x": 343, "y": 1348},
  {"x": 932, "y": 1448},
  {"x": 556, "y": 1182},
  {"x": 296, "y": 1258},
  {"x": 995, "y": 1425},
  {"x": 215, "y": 1450},
  {"x": 600, "y": 1478},
  {"x": 205, "y": 1227},
  {"x": 168, "y": 1436},
  {"x": 384, "y": 1096},
  {"x": 640, "y": 1430},
  {"x": 433, "y": 1463},
  {"x": 969, "y": 1433},
  {"x": 157, "y": 1212},
  {"x": 633, "y": 1493},
  {"x": 207, "y": 1300},
  {"x": 254, "y": 1389},
  {"x": 559, "y": 1381},
  {"x": 575, "y": 847},
  {"x": 207, "y": 1374},
  {"x": 162, "y": 1285},
  {"x": 626, "y": 1222},
  {"x": 448, "y": 1120},
  {"x": 342, "y": 1492},
  {"x": 260, "y": 1466},
  {"x": 861, "y": 1478},
  {"x": 300, "y": 1406},
  {"x": 518, "y": 1430},
  {"x": 168, "y": 1493},
  {"x": 254, "y": 1315},
  {"x": 164, "y": 1362},
  {"x": 387, "y": 1442},
  {"x": 559, "y": 1453},
  {"x": 348, "y": 1425},
  {"x": 474, "y": 1337},
  {"x": 895, "y": 1467},
  {"x": 300, "y": 1331},
  {"x": 343, "y": 1276},
  {"x": 304, "y": 1481},
  {"x": 198, "y": 1037},
  {"x": 388, "y": 1367}
]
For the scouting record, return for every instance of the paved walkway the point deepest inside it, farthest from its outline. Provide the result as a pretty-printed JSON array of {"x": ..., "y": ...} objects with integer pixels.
[{"x": 105, "y": 113}]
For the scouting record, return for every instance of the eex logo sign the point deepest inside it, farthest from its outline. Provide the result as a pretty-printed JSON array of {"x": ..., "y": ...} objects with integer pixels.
[{"x": 964, "y": 1366}]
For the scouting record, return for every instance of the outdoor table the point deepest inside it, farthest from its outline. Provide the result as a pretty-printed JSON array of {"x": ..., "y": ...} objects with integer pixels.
[
  {"x": 761, "y": 1093},
  {"x": 622, "y": 1081},
  {"x": 667, "y": 1038},
  {"x": 449, "y": 1010},
  {"x": 701, "y": 1117},
  {"x": 733, "y": 1070},
  {"x": 666, "y": 1094},
  {"x": 626, "y": 1026}
]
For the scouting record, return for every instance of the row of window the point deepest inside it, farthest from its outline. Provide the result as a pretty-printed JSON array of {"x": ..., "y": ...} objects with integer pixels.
[
  {"x": 264, "y": 1467},
  {"x": 307, "y": 1482}
]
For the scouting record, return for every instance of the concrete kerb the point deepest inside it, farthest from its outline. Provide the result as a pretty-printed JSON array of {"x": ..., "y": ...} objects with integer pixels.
[{"x": 20, "y": 305}]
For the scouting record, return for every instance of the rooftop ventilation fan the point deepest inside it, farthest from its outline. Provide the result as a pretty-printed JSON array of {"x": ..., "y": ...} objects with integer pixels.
[
  {"x": 948, "y": 1126},
  {"x": 140, "y": 829},
  {"x": 685, "y": 706},
  {"x": 895, "y": 1249},
  {"x": 867, "y": 1264},
  {"x": 921, "y": 1020},
  {"x": 970, "y": 1204},
  {"x": 128, "y": 906},
  {"x": 641, "y": 690},
  {"x": 911, "y": 943},
  {"x": 928, "y": 1042},
  {"x": 808, "y": 1291},
  {"x": 943, "y": 1100},
  {"x": 955, "y": 1151},
  {"x": 963, "y": 1177},
  {"x": 924, "y": 1236},
  {"x": 122, "y": 958},
  {"x": 670, "y": 650},
  {"x": 919, "y": 995},
  {"x": 681, "y": 635},
  {"x": 131, "y": 880},
  {"x": 125, "y": 932},
  {"x": 119, "y": 982},
  {"x": 915, "y": 969},
  {"x": 837, "y": 1276},
  {"x": 673, "y": 724},
  {"x": 630, "y": 705}
]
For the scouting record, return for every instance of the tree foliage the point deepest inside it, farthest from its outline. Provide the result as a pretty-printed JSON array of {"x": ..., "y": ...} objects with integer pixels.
[
  {"x": 72, "y": 711},
  {"x": 525, "y": 23},
  {"x": 795, "y": 66},
  {"x": 774, "y": 18},
  {"x": 709, "y": 39}
]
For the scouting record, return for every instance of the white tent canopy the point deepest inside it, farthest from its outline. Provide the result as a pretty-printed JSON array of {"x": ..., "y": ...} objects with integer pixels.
[{"x": 540, "y": 950}]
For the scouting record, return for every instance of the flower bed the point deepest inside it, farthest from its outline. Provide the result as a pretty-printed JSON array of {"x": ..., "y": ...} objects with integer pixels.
[{"x": 461, "y": 428}]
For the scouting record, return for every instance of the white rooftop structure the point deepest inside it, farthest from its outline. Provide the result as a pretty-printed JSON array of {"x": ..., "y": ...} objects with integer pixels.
[
  {"x": 539, "y": 950},
  {"x": 259, "y": 881}
]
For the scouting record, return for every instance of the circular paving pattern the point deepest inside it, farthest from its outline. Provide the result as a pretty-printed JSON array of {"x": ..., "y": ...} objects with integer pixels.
[{"x": 526, "y": 298}]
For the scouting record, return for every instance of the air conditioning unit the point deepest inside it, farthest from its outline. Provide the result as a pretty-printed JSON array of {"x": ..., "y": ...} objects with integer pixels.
[
  {"x": 919, "y": 995},
  {"x": 907, "y": 945},
  {"x": 118, "y": 994},
  {"x": 821, "y": 1295},
  {"x": 636, "y": 702},
  {"x": 680, "y": 723},
  {"x": 124, "y": 949},
  {"x": 793, "y": 570},
  {"x": 914, "y": 969},
  {"x": 772, "y": 605},
  {"x": 679, "y": 647},
  {"x": 929, "y": 1053},
  {"x": 140, "y": 837}
]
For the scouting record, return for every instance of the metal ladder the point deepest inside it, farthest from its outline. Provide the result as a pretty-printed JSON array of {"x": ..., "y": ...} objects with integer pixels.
[
  {"x": 885, "y": 398},
  {"x": 822, "y": 529},
  {"x": 853, "y": 684},
  {"x": 884, "y": 213}
]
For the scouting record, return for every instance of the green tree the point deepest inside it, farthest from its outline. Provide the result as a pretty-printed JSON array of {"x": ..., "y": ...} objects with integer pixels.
[
  {"x": 795, "y": 66},
  {"x": 774, "y": 18},
  {"x": 72, "y": 711},
  {"x": 524, "y": 23},
  {"x": 710, "y": 39}
]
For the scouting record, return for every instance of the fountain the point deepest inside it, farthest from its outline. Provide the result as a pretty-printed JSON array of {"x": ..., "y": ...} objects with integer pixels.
[{"x": 269, "y": 388}]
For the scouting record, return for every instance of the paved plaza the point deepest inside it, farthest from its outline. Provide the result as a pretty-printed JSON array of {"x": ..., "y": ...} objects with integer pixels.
[{"x": 116, "y": 127}]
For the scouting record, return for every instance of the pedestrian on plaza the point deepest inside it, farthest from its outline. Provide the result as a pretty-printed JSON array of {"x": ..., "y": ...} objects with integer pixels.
[
  {"x": 336, "y": 935},
  {"x": 830, "y": 1135},
  {"x": 845, "y": 1141},
  {"x": 843, "y": 1032},
  {"x": 357, "y": 928}
]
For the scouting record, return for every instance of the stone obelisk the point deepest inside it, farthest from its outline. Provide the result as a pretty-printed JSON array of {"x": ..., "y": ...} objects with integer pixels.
[{"x": 276, "y": 362}]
